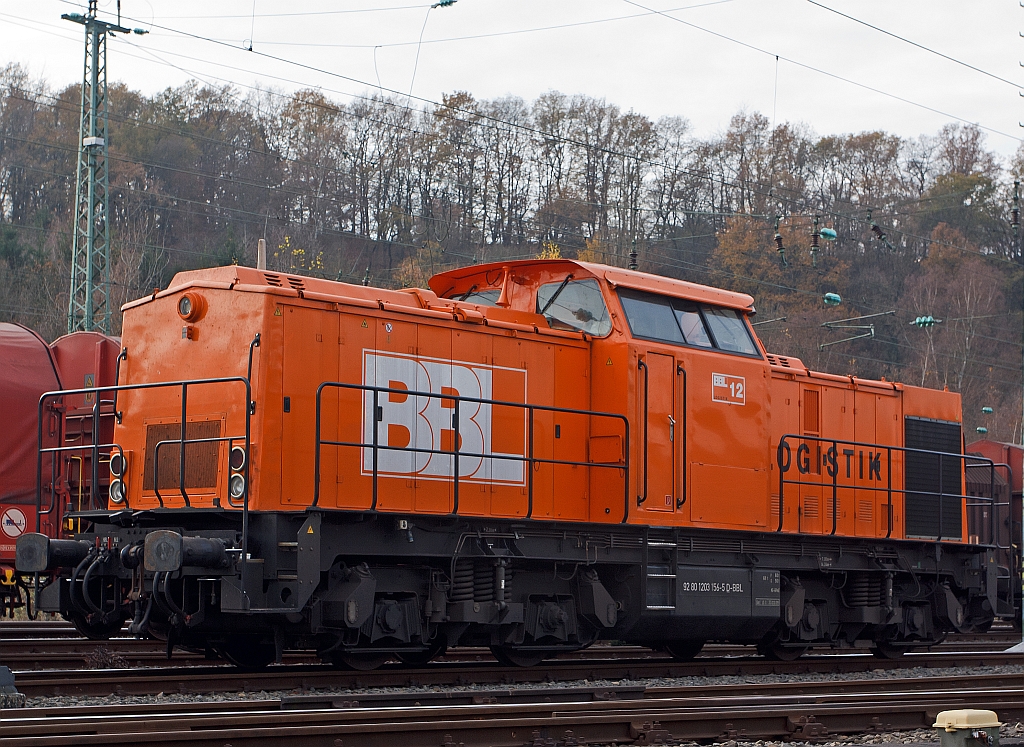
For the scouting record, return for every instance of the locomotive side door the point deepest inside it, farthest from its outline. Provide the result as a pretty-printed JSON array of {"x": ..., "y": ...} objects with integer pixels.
[
  {"x": 309, "y": 358},
  {"x": 660, "y": 431}
]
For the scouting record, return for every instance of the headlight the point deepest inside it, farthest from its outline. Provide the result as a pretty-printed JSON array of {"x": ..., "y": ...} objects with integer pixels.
[
  {"x": 117, "y": 492},
  {"x": 117, "y": 465},
  {"x": 237, "y": 458},
  {"x": 236, "y": 487},
  {"x": 191, "y": 306}
]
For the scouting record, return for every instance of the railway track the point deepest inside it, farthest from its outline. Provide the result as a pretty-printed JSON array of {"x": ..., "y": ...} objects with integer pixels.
[
  {"x": 308, "y": 678},
  {"x": 15, "y": 629},
  {"x": 44, "y": 645},
  {"x": 551, "y": 717}
]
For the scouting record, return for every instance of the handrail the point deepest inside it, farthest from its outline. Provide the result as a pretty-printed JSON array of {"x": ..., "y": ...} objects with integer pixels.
[
  {"x": 96, "y": 447},
  {"x": 642, "y": 366},
  {"x": 680, "y": 371},
  {"x": 188, "y": 442},
  {"x": 530, "y": 459},
  {"x": 784, "y": 461}
]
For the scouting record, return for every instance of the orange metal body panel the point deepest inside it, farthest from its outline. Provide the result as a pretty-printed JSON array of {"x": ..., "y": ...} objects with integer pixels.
[{"x": 713, "y": 419}]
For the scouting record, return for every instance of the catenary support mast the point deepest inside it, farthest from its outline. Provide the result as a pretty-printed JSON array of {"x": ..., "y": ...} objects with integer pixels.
[{"x": 89, "y": 307}]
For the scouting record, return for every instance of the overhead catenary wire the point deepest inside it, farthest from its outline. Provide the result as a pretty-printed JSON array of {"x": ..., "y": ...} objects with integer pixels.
[
  {"x": 822, "y": 71},
  {"x": 923, "y": 47},
  {"x": 630, "y": 2}
]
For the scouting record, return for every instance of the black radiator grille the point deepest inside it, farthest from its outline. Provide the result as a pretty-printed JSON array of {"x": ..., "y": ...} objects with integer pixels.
[{"x": 928, "y": 475}]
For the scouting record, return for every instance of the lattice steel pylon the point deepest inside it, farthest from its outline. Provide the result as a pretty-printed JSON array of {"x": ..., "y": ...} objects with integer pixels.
[{"x": 89, "y": 307}]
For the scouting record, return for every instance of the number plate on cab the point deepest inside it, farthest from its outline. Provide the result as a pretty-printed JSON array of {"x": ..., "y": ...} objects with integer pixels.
[{"x": 729, "y": 389}]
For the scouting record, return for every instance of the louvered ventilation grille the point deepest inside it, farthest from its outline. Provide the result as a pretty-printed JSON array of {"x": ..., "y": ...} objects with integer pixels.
[
  {"x": 274, "y": 280},
  {"x": 296, "y": 283},
  {"x": 779, "y": 360},
  {"x": 927, "y": 476},
  {"x": 865, "y": 511},
  {"x": 200, "y": 458}
]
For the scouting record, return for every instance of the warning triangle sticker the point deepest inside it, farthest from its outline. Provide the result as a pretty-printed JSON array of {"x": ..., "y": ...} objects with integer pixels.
[
  {"x": 277, "y": 311},
  {"x": 609, "y": 362},
  {"x": 309, "y": 531},
  {"x": 364, "y": 324}
]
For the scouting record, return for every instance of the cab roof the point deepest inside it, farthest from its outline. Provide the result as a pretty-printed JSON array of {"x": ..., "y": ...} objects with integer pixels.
[{"x": 490, "y": 276}]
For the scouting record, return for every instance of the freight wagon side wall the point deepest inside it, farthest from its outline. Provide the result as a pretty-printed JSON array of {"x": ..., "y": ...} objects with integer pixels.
[{"x": 26, "y": 371}]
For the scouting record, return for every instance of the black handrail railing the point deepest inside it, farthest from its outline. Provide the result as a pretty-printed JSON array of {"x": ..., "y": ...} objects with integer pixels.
[
  {"x": 641, "y": 365},
  {"x": 99, "y": 449},
  {"x": 680, "y": 371},
  {"x": 156, "y": 466},
  {"x": 784, "y": 461},
  {"x": 530, "y": 459}
]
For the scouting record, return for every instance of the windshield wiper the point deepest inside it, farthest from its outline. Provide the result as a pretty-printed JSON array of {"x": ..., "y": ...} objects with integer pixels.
[{"x": 558, "y": 290}]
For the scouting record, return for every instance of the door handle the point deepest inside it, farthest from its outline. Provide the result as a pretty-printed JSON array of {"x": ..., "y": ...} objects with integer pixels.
[{"x": 671, "y": 428}]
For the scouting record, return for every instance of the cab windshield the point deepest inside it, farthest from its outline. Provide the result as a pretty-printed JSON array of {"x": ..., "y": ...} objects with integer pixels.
[
  {"x": 574, "y": 305},
  {"x": 683, "y": 322}
]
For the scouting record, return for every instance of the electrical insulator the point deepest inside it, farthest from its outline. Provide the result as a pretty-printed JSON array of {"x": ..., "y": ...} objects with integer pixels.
[
  {"x": 815, "y": 243},
  {"x": 1015, "y": 212},
  {"x": 779, "y": 246}
]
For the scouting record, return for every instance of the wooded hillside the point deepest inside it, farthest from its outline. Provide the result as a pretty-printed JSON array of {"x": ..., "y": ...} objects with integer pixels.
[{"x": 382, "y": 191}]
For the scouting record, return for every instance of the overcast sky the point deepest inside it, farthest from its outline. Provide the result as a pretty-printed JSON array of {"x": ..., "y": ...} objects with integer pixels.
[{"x": 833, "y": 74}]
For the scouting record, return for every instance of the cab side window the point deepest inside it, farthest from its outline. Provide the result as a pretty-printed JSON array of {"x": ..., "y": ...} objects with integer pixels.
[
  {"x": 729, "y": 330},
  {"x": 651, "y": 316},
  {"x": 682, "y": 322}
]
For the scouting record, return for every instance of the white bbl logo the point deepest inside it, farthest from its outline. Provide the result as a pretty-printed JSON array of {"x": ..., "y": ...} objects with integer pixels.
[
  {"x": 411, "y": 421},
  {"x": 13, "y": 522}
]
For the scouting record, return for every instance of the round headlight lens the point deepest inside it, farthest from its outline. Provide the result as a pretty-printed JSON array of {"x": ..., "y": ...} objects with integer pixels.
[
  {"x": 185, "y": 306},
  {"x": 237, "y": 458},
  {"x": 117, "y": 492},
  {"x": 117, "y": 464},
  {"x": 236, "y": 487}
]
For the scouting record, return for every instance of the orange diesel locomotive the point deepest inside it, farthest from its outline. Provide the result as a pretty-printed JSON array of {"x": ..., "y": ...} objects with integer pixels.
[{"x": 529, "y": 456}]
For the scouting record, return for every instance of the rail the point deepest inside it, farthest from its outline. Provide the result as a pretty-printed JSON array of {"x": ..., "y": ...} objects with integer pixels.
[
  {"x": 529, "y": 458},
  {"x": 831, "y": 464}
]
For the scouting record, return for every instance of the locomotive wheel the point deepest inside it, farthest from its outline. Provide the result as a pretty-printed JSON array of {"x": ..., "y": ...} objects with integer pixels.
[
  {"x": 96, "y": 631},
  {"x": 684, "y": 650},
  {"x": 778, "y": 652},
  {"x": 358, "y": 662},
  {"x": 886, "y": 650},
  {"x": 435, "y": 648},
  {"x": 247, "y": 653},
  {"x": 511, "y": 657}
]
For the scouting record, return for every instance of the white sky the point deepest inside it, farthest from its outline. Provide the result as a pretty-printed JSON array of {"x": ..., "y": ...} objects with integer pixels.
[{"x": 641, "y": 61}]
